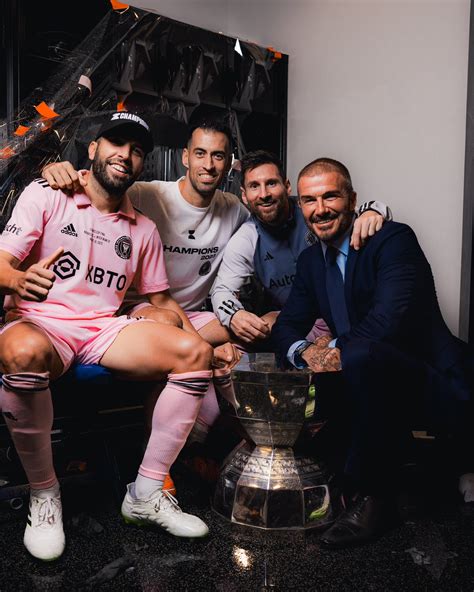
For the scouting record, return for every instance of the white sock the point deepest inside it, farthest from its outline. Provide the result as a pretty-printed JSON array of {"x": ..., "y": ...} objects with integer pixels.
[
  {"x": 46, "y": 493},
  {"x": 466, "y": 486},
  {"x": 145, "y": 487}
]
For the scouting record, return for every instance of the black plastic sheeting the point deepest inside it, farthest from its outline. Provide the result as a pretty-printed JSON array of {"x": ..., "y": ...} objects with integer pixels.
[{"x": 173, "y": 74}]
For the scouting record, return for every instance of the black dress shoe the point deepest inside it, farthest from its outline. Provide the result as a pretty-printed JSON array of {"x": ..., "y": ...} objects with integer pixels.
[{"x": 366, "y": 519}]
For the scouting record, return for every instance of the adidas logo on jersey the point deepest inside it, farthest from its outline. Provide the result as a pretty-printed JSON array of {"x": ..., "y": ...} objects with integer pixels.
[
  {"x": 268, "y": 257},
  {"x": 69, "y": 229}
]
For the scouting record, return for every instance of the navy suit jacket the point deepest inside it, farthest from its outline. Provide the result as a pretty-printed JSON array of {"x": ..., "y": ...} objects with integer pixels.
[{"x": 390, "y": 297}]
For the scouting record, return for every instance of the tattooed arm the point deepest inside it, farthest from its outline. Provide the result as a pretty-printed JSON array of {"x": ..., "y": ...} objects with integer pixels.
[{"x": 322, "y": 358}]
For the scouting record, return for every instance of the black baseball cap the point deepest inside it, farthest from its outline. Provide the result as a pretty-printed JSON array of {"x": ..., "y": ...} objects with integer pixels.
[{"x": 129, "y": 126}]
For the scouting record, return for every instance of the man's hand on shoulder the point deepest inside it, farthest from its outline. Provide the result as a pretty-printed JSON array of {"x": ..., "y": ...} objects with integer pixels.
[
  {"x": 35, "y": 283},
  {"x": 322, "y": 358},
  {"x": 62, "y": 175},
  {"x": 366, "y": 225},
  {"x": 249, "y": 327}
]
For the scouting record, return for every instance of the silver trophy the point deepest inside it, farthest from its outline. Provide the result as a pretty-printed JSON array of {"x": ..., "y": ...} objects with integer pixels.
[{"x": 262, "y": 482}]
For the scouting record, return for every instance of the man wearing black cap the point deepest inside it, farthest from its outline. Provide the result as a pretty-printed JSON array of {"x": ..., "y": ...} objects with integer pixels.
[{"x": 65, "y": 265}]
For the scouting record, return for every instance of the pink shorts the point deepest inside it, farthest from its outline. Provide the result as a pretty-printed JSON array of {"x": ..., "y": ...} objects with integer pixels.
[
  {"x": 81, "y": 341},
  {"x": 198, "y": 319}
]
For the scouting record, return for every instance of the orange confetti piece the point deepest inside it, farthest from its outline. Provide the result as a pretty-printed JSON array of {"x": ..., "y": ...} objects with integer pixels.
[
  {"x": 121, "y": 106},
  {"x": 118, "y": 5},
  {"x": 6, "y": 152},
  {"x": 45, "y": 111},
  {"x": 21, "y": 130},
  {"x": 277, "y": 55}
]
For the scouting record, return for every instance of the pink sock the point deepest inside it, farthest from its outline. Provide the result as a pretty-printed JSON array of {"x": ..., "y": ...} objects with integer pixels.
[
  {"x": 208, "y": 414},
  {"x": 209, "y": 411},
  {"x": 173, "y": 418},
  {"x": 224, "y": 386},
  {"x": 28, "y": 412}
]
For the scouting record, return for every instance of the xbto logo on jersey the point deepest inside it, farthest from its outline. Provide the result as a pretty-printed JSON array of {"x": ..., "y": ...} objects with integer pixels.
[
  {"x": 191, "y": 234},
  {"x": 123, "y": 247},
  {"x": 97, "y": 275},
  {"x": 67, "y": 266}
]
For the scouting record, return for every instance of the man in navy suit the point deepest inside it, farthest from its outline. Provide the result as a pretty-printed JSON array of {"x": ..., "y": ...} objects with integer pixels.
[{"x": 392, "y": 356}]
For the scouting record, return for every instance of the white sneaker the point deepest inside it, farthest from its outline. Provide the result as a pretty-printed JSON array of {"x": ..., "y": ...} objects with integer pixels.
[
  {"x": 161, "y": 509},
  {"x": 44, "y": 534}
]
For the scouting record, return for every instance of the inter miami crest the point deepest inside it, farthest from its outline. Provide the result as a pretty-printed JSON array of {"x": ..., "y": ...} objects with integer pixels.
[{"x": 123, "y": 247}]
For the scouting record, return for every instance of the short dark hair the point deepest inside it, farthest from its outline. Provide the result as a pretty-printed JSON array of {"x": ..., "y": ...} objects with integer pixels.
[
  {"x": 211, "y": 125},
  {"x": 328, "y": 165},
  {"x": 257, "y": 158}
]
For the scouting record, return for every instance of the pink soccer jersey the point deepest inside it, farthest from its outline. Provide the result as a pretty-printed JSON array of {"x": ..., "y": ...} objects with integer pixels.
[{"x": 103, "y": 253}]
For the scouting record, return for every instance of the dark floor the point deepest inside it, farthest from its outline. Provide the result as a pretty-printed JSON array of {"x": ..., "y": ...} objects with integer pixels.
[{"x": 433, "y": 550}]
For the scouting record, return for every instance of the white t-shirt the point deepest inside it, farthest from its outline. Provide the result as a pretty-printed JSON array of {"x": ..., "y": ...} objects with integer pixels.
[{"x": 193, "y": 238}]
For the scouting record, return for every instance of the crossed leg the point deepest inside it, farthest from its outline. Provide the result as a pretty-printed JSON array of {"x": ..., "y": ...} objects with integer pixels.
[
  {"x": 215, "y": 334},
  {"x": 148, "y": 351}
]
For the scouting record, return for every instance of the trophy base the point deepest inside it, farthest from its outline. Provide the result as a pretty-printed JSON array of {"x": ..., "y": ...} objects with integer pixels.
[{"x": 271, "y": 488}]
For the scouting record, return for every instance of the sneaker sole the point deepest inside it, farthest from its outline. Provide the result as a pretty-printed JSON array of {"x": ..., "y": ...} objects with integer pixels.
[
  {"x": 45, "y": 560},
  {"x": 136, "y": 521},
  {"x": 145, "y": 524}
]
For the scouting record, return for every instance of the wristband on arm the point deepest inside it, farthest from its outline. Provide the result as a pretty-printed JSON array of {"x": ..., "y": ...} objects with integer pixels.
[{"x": 376, "y": 206}]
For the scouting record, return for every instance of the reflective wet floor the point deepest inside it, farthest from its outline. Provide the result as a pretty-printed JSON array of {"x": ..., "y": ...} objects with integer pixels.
[{"x": 432, "y": 550}]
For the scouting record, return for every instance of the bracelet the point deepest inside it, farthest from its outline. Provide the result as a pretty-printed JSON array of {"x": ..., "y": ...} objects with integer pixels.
[{"x": 297, "y": 355}]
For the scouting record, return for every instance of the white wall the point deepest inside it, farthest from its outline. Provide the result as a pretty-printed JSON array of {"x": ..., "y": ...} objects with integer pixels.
[{"x": 380, "y": 85}]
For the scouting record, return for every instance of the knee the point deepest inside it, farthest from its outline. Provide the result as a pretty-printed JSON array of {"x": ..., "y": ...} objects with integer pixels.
[
  {"x": 28, "y": 354},
  {"x": 196, "y": 353}
]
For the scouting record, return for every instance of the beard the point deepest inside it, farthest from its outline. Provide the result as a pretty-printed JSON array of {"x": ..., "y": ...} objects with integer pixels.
[
  {"x": 274, "y": 216},
  {"x": 114, "y": 186},
  {"x": 331, "y": 234}
]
